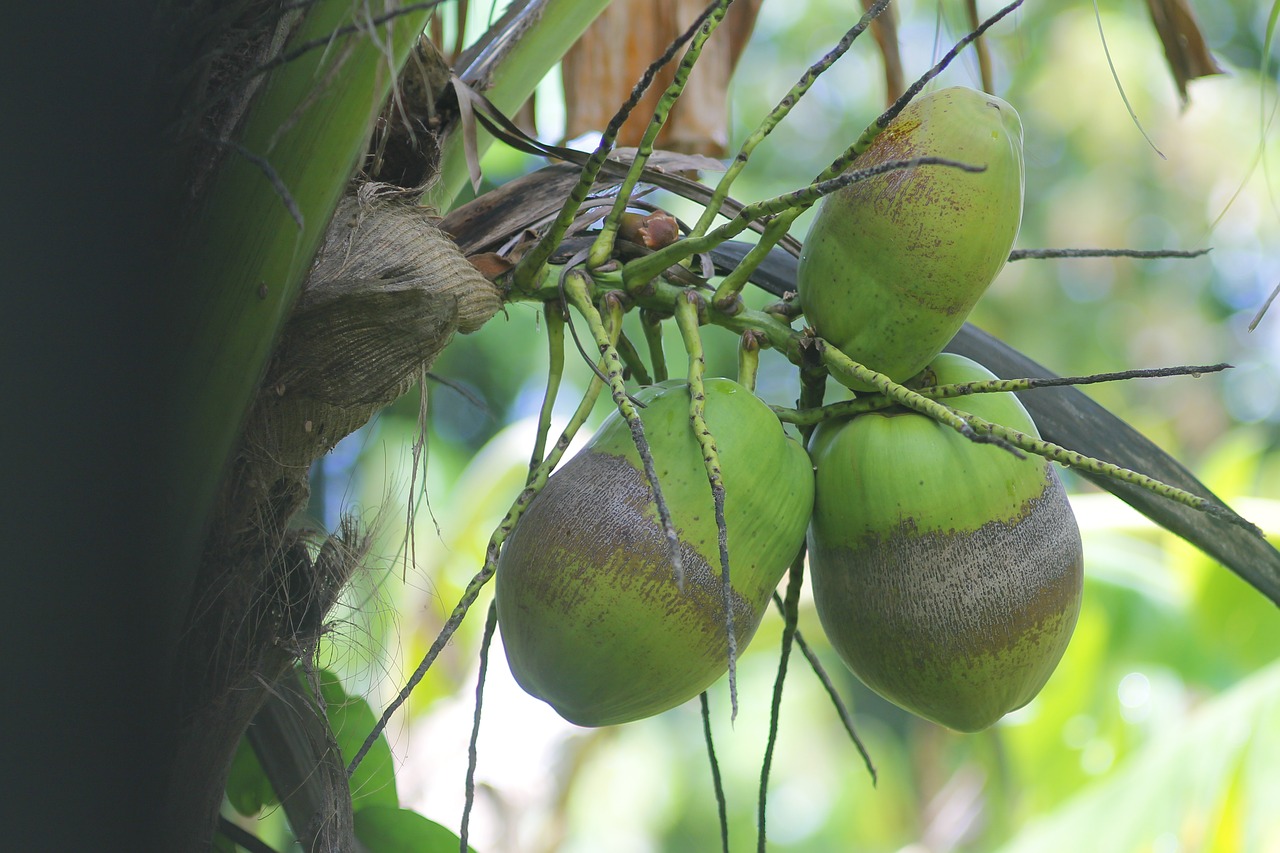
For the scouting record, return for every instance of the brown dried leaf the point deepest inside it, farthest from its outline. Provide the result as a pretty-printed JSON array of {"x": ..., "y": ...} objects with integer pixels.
[
  {"x": 600, "y": 70},
  {"x": 885, "y": 30},
  {"x": 1184, "y": 46}
]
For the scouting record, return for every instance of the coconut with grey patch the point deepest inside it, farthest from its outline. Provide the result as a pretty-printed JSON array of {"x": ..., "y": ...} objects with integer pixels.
[
  {"x": 592, "y": 619},
  {"x": 947, "y": 574},
  {"x": 892, "y": 266}
]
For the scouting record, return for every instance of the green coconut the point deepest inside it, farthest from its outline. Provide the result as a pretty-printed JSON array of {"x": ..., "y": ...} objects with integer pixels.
[
  {"x": 892, "y": 266},
  {"x": 946, "y": 574},
  {"x": 592, "y": 619}
]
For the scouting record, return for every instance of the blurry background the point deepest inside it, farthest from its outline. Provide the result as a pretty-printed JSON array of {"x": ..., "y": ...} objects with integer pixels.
[{"x": 1160, "y": 730}]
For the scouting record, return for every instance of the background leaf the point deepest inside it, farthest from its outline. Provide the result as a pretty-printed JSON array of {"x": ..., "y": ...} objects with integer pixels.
[
  {"x": 1183, "y": 790},
  {"x": 248, "y": 788},
  {"x": 351, "y": 717},
  {"x": 384, "y": 829}
]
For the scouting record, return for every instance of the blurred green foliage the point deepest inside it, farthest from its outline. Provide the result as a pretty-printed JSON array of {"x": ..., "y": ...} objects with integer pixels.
[{"x": 1159, "y": 730}]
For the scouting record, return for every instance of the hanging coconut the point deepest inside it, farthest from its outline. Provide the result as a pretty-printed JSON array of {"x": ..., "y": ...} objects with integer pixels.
[
  {"x": 592, "y": 618},
  {"x": 947, "y": 574},
  {"x": 892, "y": 265}
]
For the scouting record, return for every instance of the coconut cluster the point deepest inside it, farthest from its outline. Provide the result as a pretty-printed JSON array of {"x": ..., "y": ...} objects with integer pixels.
[{"x": 947, "y": 574}]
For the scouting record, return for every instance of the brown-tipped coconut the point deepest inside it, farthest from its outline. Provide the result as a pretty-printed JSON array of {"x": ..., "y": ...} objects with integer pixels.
[
  {"x": 892, "y": 265},
  {"x": 947, "y": 574},
  {"x": 592, "y": 620}
]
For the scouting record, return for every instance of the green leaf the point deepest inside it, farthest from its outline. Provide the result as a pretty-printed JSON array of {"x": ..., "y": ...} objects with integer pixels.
[
  {"x": 1185, "y": 789},
  {"x": 383, "y": 829},
  {"x": 351, "y": 718},
  {"x": 248, "y": 789}
]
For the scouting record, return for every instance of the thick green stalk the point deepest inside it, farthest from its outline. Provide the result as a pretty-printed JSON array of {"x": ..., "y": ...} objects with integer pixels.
[
  {"x": 555, "y": 371},
  {"x": 249, "y": 246},
  {"x": 652, "y": 325},
  {"x": 748, "y": 359},
  {"x": 727, "y": 297},
  {"x": 686, "y": 311},
  {"x": 665, "y": 297},
  {"x": 631, "y": 358},
  {"x": 849, "y": 372}
]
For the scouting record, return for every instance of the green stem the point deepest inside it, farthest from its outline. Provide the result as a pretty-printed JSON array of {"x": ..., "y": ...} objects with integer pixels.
[
  {"x": 631, "y": 358},
  {"x": 872, "y": 403},
  {"x": 727, "y": 296},
  {"x": 780, "y": 112},
  {"x": 842, "y": 710},
  {"x": 748, "y": 359},
  {"x": 652, "y": 325},
  {"x": 788, "y": 205},
  {"x": 1072, "y": 459},
  {"x": 555, "y": 371},
  {"x": 602, "y": 248},
  {"x": 850, "y": 373},
  {"x": 663, "y": 297},
  {"x": 490, "y": 625},
  {"x": 790, "y": 614},
  {"x": 530, "y": 267},
  {"x": 868, "y": 136},
  {"x": 687, "y": 320},
  {"x": 721, "y": 808}
]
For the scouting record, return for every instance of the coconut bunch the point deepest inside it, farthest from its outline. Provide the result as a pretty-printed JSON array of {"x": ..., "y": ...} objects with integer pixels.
[{"x": 946, "y": 572}]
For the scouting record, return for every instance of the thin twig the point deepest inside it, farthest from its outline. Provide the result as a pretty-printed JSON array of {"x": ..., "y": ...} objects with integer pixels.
[
  {"x": 790, "y": 612},
  {"x": 872, "y": 403},
  {"x": 779, "y": 112},
  {"x": 1263, "y": 310},
  {"x": 640, "y": 271},
  {"x": 490, "y": 625},
  {"x": 716, "y": 782},
  {"x": 868, "y": 136},
  {"x": 1027, "y": 254},
  {"x": 842, "y": 710},
  {"x": 269, "y": 172}
]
